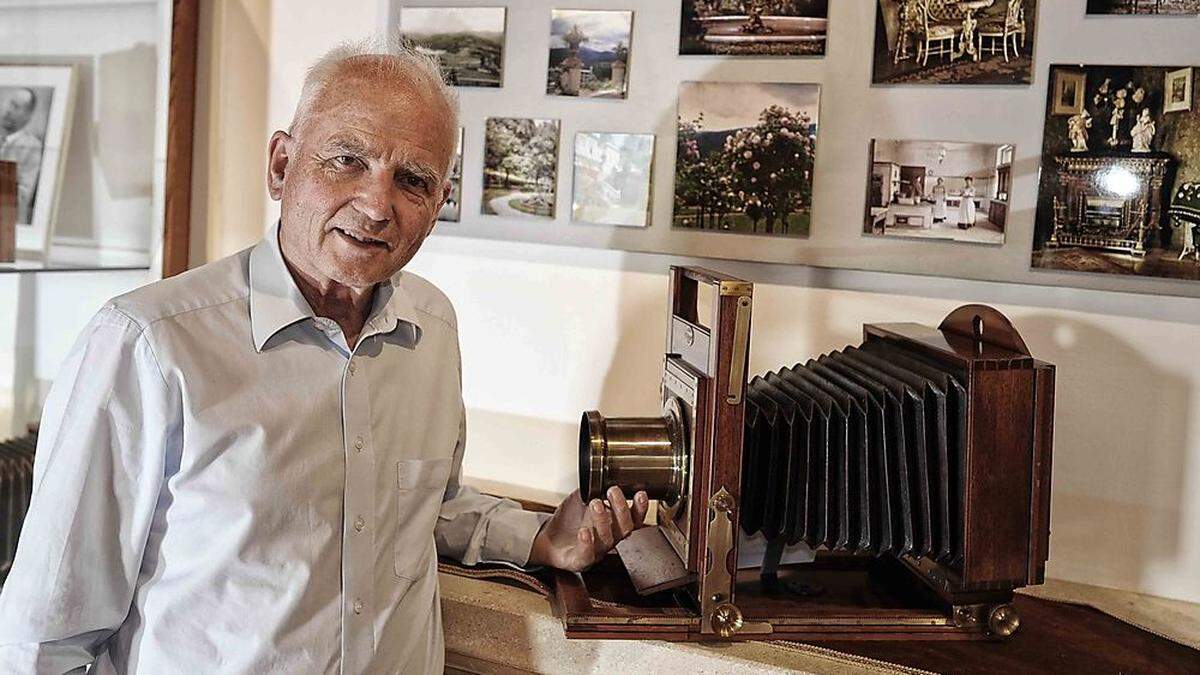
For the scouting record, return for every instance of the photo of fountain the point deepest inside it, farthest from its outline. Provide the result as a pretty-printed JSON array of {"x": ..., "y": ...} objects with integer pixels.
[{"x": 754, "y": 27}]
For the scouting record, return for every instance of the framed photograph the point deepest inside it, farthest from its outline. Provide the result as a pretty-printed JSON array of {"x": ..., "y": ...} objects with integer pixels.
[
  {"x": 1068, "y": 92},
  {"x": 1177, "y": 90},
  {"x": 35, "y": 122},
  {"x": 520, "y": 167},
  {"x": 1143, "y": 7},
  {"x": 781, "y": 28},
  {"x": 939, "y": 190},
  {"x": 1117, "y": 194},
  {"x": 468, "y": 40},
  {"x": 954, "y": 41},
  {"x": 452, "y": 210},
  {"x": 744, "y": 157},
  {"x": 589, "y": 53},
  {"x": 613, "y": 179}
]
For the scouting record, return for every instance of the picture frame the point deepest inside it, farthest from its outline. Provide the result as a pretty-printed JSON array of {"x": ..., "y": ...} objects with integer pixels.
[
  {"x": 520, "y": 167},
  {"x": 939, "y": 190},
  {"x": 789, "y": 30},
  {"x": 451, "y": 211},
  {"x": 984, "y": 42},
  {"x": 1069, "y": 92},
  {"x": 599, "y": 70},
  {"x": 469, "y": 41},
  {"x": 613, "y": 178},
  {"x": 744, "y": 158},
  {"x": 42, "y": 100},
  {"x": 1177, "y": 90}
]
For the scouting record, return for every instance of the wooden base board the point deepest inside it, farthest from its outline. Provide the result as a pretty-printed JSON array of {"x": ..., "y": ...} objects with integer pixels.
[{"x": 861, "y": 600}]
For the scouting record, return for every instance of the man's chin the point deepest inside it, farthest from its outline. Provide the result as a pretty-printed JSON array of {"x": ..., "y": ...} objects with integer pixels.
[{"x": 357, "y": 277}]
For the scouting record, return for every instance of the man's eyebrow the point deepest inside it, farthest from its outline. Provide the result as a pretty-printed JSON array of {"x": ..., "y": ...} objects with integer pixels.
[
  {"x": 420, "y": 170},
  {"x": 349, "y": 146}
]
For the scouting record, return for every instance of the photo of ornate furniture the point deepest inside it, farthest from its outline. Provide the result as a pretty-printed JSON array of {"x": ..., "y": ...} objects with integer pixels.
[
  {"x": 952, "y": 28},
  {"x": 1112, "y": 202},
  {"x": 1010, "y": 27},
  {"x": 932, "y": 35}
]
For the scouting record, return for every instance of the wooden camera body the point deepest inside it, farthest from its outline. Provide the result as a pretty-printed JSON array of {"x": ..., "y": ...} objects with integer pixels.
[{"x": 917, "y": 466}]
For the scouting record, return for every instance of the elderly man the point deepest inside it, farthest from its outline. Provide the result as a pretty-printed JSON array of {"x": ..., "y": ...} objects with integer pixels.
[
  {"x": 245, "y": 468},
  {"x": 18, "y": 145}
]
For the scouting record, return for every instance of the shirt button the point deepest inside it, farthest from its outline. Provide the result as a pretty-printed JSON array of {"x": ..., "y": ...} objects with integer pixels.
[
  {"x": 351, "y": 367},
  {"x": 358, "y": 606},
  {"x": 358, "y": 443},
  {"x": 360, "y": 524}
]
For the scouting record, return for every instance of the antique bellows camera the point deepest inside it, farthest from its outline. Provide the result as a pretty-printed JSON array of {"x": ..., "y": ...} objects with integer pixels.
[{"x": 916, "y": 466}]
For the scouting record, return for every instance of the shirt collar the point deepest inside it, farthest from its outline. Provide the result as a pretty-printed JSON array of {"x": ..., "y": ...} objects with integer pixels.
[{"x": 276, "y": 302}]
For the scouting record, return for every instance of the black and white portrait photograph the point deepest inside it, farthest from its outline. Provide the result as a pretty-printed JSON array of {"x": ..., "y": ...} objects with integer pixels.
[
  {"x": 34, "y": 125},
  {"x": 1120, "y": 180},
  {"x": 468, "y": 41},
  {"x": 939, "y": 190},
  {"x": 613, "y": 178},
  {"x": 589, "y": 53},
  {"x": 754, "y": 27},
  {"x": 452, "y": 209},
  {"x": 954, "y": 41},
  {"x": 520, "y": 167},
  {"x": 1143, "y": 6},
  {"x": 744, "y": 157}
]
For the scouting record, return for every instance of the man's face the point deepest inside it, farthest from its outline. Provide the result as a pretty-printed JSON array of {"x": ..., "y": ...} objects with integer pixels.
[
  {"x": 362, "y": 180},
  {"x": 15, "y": 110}
]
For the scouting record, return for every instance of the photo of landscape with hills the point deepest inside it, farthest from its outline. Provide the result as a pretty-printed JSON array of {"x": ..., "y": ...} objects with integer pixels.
[{"x": 469, "y": 41}]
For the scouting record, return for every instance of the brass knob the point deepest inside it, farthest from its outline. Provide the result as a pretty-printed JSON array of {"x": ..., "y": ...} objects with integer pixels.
[
  {"x": 1003, "y": 621},
  {"x": 726, "y": 620}
]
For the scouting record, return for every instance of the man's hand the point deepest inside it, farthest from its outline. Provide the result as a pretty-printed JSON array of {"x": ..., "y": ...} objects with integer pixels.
[{"x": 578, "y": 535}]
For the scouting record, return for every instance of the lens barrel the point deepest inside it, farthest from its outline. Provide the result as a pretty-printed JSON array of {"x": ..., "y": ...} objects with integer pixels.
[{"x": 633, "y": 453}]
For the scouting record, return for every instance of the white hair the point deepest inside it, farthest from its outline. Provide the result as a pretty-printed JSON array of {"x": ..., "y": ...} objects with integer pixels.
[{"x": 381, "y": 57}]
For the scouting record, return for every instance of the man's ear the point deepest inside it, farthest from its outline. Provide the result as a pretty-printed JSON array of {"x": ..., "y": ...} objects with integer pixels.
[
  {"x": 447, "y": 190},
  {"x": 279, "y": 154}
]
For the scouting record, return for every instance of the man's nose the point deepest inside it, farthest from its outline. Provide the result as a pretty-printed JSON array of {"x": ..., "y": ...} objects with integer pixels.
[{"x": 374, "y": 198}]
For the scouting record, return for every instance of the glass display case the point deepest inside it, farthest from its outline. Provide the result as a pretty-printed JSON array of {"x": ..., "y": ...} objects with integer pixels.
[{"x": 96, "y": 115}]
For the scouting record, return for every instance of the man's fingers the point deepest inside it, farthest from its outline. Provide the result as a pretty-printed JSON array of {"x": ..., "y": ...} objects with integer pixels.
[
  {"x": 641, "y": 504},
  {"x": 620, "y": 508},
  {"x": 602, "y": 523}
]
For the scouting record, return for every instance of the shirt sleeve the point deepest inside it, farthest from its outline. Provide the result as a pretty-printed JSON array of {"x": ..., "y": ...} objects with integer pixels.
[
  {"x": 107, "y": 425},
  {"x": 475, "y": 528}
]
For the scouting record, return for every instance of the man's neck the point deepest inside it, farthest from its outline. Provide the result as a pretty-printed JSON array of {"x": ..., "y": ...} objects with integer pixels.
[{"x": 347, "y": 305}]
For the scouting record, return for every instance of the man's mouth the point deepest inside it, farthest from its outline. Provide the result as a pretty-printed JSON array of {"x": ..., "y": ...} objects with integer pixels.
[{"x": 362, "y": 238}]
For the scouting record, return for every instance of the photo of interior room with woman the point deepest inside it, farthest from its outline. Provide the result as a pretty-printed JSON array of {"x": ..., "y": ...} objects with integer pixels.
[{"x": 939, "y": 190}]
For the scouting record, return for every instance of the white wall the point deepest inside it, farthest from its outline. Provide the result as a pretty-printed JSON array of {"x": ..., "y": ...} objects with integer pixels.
[{"x": 548, "y": 332}]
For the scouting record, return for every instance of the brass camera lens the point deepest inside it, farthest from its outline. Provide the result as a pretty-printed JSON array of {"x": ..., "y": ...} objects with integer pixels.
[{"x": 633, "y": 453}]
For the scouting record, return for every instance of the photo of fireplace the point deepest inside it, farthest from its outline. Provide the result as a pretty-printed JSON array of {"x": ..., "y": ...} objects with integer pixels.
[{"x": 1114, "y": 176}]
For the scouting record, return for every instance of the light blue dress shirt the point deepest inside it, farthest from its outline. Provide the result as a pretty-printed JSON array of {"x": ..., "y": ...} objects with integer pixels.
[{"x": 223, "y": 486}]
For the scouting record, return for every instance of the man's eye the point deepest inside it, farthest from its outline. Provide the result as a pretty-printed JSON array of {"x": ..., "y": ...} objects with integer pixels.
[
  {"x": 415, "y": 181},
  {"x": 346, "y": 160}
]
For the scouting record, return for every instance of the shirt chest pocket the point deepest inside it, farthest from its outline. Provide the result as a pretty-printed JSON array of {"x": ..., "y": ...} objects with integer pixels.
[{"x": 420, "y": 484}]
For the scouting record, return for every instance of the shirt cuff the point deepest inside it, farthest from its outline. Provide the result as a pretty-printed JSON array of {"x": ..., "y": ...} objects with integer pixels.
[{"x": 510, "y": 536}]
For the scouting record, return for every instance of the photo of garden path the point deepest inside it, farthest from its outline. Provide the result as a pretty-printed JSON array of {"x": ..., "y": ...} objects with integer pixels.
[{"x": 520, "y": 166}]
